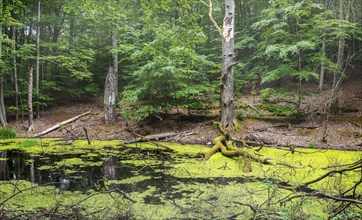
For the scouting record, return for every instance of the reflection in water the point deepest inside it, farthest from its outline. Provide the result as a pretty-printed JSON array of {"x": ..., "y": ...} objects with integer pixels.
[
  {"x": 80, "y": 177},
  {"x": 32, "y": 173},
  {"x": 64, "y": 183},
  {"x": 110, "y": 168},
  {"x": 22, "y": 166},
  {"x": 3, "y": 165},
  {"x": 14, "y": 167}
]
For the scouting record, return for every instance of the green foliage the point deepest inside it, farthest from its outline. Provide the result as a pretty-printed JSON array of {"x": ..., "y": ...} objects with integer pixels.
[
  {"x": 239, "y": 115},
  {"x": 170, "y": 74},
  {"x": 274, "y": 94},
  {"x": 277, "y": 110},
  {"x": 352, "y": 215},
  {"x": 7, "y": 133},
  {"x": 89, "y": 90},
  {"x": 77, "y": 63},
  {"x": 171, "y": 57}
]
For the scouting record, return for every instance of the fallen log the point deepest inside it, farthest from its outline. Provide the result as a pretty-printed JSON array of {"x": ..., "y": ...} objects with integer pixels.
[
  {"x": 150, "y": 138},
  {"x": 55, "y": 127},
  {"x": 153, "y": 137}
]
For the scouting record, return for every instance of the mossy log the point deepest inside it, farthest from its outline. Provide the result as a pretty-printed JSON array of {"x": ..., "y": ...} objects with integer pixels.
[{"x": 228, "y": 148}]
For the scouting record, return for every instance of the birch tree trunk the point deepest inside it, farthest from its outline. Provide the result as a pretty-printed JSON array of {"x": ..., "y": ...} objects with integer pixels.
[
  {"x": 30, "y": 100},
  {"x": 111, "y": 88},
  {"x": 227, "y": 74},
  {"x": 37, "y": 59}
]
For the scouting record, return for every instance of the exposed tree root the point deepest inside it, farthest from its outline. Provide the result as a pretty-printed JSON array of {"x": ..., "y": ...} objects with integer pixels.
[{"x": 228, "y": 148}]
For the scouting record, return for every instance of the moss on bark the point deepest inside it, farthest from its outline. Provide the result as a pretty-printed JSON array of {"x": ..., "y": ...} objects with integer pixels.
[{"x": 228, "y": 148}]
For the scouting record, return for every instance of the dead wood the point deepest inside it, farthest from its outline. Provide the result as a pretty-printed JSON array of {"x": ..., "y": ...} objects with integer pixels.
[
  {"x": 153, "y": 137},
  {"x": 256, "y": 141},
  {"x": 86, "y": 135},
  {"x": 59, "y": 125},
  {"x": 149, "y": 138},
  {"x": 228, "y": 148}
]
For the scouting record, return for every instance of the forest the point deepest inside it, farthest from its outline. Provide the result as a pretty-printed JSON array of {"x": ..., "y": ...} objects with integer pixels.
[{"x": 187, "y": 109}]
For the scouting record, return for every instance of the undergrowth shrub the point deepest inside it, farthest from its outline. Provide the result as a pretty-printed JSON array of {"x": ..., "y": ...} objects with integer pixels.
[{"x": 7, "y": 133}]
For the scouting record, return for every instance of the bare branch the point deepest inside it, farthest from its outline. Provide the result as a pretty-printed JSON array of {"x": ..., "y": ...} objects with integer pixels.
[
  {"x": 329, "y": 174},
  {"x": 212, "y": 18},
  {"x": 255, "y": 210}
]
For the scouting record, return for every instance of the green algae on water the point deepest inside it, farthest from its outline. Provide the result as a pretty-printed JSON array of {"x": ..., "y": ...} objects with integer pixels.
[{"x": 180, "y": 183}]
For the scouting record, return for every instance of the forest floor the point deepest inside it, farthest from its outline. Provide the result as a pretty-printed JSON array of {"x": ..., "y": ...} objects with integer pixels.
[{"x": 344, "y": 129}]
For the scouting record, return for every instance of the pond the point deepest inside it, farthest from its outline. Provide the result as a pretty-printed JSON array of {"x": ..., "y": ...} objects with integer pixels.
[{"x": 58, "y": 179}]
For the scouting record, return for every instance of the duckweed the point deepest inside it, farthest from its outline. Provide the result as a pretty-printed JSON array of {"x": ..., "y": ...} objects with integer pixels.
[{"x": 99, "y": 181}]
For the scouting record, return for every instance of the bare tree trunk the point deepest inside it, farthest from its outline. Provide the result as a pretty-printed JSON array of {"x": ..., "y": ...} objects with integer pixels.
[
  {"x": 15, "y": 77},
  {"x": 2, "y": 105},
  {"x": 227, "y": 74},
  {"x": 37, "y": 59},
  {"x": 111, "y": 89},
  {"x": 324, "y": 53},
  {"x": 338, "y": 76},
  {"x": 321, "y": 76},
  {"x": 332, "y": 105},
  {"x": 30, "y": 100}
]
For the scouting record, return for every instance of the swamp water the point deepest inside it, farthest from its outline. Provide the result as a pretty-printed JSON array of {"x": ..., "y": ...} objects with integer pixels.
[{"x": 54, "y": 179}]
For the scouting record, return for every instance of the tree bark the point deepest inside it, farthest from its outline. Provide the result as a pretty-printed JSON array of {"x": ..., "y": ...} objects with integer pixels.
[
  {"x": 227, "y": 75},
  {"x": 30, "y": 100},
  {"x": 15, "y": 76},
  {"x": 322, "y": 73},
  {"x": 2, "y": 105},
  {"x": 338, "y": 76},
  {"x": 324, "y": 53},
  {"x": 156, "y": 137},
  {"x": 229, "y": 149},
  {"x": 111, "y": 89},
  {"x": 37, "y": 59}
]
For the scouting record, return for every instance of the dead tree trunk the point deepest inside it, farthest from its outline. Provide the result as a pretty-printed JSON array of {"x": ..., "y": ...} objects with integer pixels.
[
  {"x": 30, "y": 100},
  {"x": 111, "y": 89},
  {"x": 110, "y": 99},
  {"x": 227, "y": 75}
]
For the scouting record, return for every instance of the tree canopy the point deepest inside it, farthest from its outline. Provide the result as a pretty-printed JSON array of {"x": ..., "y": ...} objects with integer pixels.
[{"x": 169, "y": 51}]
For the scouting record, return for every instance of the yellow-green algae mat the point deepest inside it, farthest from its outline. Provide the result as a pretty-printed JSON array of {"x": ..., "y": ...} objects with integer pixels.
[{"x": 187, "y": 186}]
